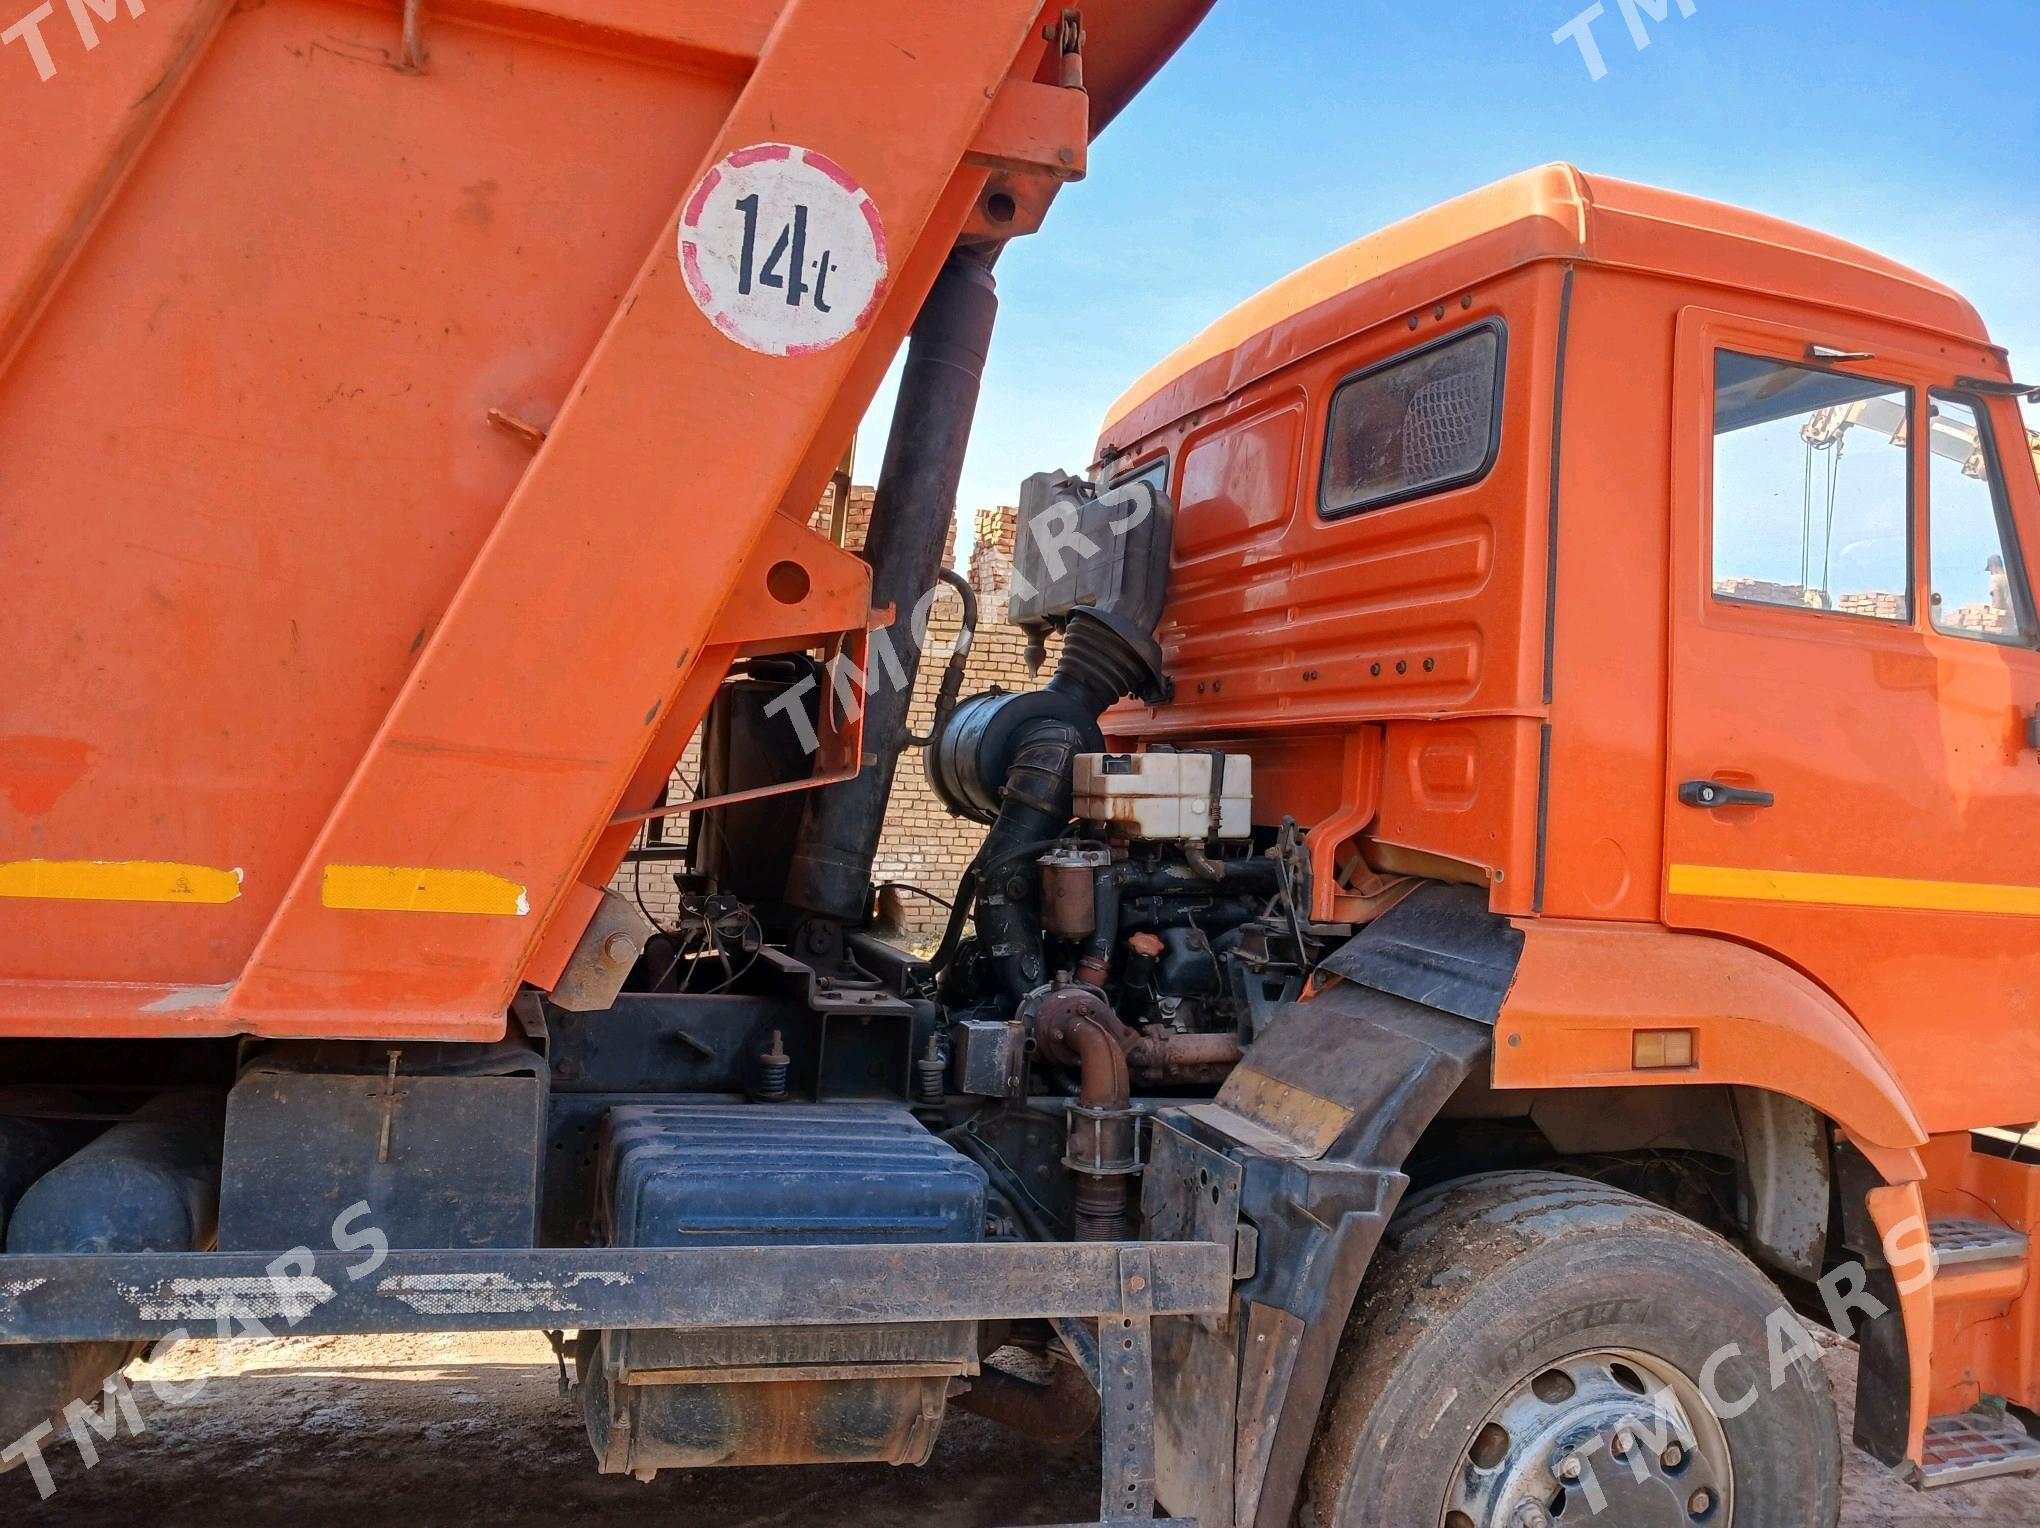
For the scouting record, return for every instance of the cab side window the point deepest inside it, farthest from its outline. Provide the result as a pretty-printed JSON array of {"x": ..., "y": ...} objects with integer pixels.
[
  {"x": 1979, "y": 588},
  {"x": 1155, "y": 474},
  {"x": 1812, "y": 489},
  {"x": 1424, "y": 421}
]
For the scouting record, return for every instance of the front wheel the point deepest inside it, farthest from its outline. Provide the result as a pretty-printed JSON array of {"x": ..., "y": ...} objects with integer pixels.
[{"x": 1533, "y": 1350}]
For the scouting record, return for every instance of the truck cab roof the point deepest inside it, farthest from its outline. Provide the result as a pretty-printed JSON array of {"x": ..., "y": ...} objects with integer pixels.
[{"x": 1553, "y": 213}]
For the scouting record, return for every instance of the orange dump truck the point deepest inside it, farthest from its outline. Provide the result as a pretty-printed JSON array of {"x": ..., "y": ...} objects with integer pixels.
[{"x": 1516, "y": 888}]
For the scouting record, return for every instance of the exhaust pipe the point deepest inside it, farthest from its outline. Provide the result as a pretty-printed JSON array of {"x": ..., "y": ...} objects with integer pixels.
[{"x": 149, "y": 1184}]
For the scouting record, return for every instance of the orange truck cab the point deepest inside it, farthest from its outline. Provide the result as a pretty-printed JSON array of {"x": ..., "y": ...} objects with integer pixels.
[{"x": 1663, "y": 571}]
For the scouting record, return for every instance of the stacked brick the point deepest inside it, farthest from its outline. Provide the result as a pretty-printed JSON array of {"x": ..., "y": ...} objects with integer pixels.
[
  {"x": 1986, "y": 619},
  {"x": 923, "y": 845},
  {"x": 1885, "y": 607},
  {"x": 1765, "y": 592}
]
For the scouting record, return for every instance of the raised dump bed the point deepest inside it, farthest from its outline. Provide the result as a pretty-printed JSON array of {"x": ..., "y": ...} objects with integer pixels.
[{"x": 414, "y": 409}]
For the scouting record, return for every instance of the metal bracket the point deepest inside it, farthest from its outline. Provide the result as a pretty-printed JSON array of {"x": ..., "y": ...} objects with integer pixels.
[
  {"x": 1126, "y": 1394},
  {"x": 412, "y": 59},
  {"x": 601, "y": 962}
]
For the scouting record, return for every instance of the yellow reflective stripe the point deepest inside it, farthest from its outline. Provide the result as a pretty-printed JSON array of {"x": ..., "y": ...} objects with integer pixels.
[
  {"x": 421, "y": 889},
  {"x": 118, "y": 881},
  {"x": 1853, "y": 890}
]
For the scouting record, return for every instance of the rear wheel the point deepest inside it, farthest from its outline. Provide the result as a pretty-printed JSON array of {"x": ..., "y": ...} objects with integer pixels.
[{"x": 1533, "y": 1350}]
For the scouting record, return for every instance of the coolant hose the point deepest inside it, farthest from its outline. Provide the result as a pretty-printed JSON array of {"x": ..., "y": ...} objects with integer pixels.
[{"x": 1094, "y": 959}]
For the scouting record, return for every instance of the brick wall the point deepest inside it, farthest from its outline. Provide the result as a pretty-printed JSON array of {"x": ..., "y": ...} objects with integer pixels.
[{"x": 922, "y": 844}]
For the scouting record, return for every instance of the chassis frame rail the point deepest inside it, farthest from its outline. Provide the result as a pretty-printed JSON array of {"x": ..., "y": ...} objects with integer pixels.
[{"x": 1123, "y": 1285}]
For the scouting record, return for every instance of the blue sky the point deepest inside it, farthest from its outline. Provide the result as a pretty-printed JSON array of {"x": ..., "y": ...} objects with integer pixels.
[{"x": 1287, "y": 128}]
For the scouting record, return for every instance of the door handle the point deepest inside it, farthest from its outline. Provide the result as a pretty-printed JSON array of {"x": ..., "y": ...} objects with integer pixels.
[{"x": 1712, "y": 793}]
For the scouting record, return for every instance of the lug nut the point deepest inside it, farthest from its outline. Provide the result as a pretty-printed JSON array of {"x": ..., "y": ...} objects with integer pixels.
[
  {"x": 1672, "y": 1457},
  {"x": 1530, "y": 1515},
  {"x": 1625, "y": 1440},
  {"x": 1700, "y": 1503},
  {"x": 1570, "y": 1468}
]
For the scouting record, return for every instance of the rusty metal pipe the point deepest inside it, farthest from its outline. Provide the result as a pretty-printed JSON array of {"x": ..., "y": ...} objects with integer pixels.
[
  {"x": 1076, "y": 1026},
  {"x": 1061, "y": 1411},
  {"x": 1187, "y": 1050},
  {"x": 1104, "y": 1078},
  {"x": 411, "y": 60},
  {"x": 1167, "y": 1057}
]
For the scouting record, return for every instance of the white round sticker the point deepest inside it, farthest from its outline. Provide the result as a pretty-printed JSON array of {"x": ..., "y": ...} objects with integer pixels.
[{"x": 784, "y": 252}]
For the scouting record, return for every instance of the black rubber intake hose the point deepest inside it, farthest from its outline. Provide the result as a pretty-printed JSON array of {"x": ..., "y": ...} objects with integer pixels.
[
  {"x": 1036, "y": 808},
  {"x": 1099, "y": 664},
  {"x": 1243, "y": 877},
  {"x": 830, "y": 874}
]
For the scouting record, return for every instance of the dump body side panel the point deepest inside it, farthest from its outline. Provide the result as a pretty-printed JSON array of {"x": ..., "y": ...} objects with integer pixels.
[
  {"x": 255, "y": 459},
  {"x": 380, "y": 487}
]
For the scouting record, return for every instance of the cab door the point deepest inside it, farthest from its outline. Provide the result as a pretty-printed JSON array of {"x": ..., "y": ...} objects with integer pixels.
[{"x": 1852, "y": 782}]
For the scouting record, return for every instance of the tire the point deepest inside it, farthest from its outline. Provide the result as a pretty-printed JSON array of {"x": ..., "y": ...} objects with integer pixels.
[{"x": 1491, "y": 1297}]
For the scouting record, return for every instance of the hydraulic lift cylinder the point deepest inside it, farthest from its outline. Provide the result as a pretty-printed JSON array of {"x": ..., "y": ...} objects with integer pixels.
[{"x": 830, "y": 875}]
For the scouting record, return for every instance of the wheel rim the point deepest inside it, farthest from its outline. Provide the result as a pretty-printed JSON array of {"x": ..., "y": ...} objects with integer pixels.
[{"x": 1611, "y": 1435}]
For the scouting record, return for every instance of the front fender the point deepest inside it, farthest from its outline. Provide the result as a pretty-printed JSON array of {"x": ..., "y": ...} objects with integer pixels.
[{"x": 1584, "y": 991}]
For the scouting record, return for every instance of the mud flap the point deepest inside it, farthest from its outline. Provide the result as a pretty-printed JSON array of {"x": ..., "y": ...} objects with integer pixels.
[
  {"x": 1300, "y": 1157},
  {"x": 1884, "y": 1356},
  {"x": 1440, "y": 947}
]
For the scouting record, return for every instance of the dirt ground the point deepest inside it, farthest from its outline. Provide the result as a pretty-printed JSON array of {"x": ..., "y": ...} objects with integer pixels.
[{"x": 472, "y": 1431}]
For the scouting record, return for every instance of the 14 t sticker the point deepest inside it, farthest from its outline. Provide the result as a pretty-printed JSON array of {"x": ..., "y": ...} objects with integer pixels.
[{"x": 783, "y": 251}]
